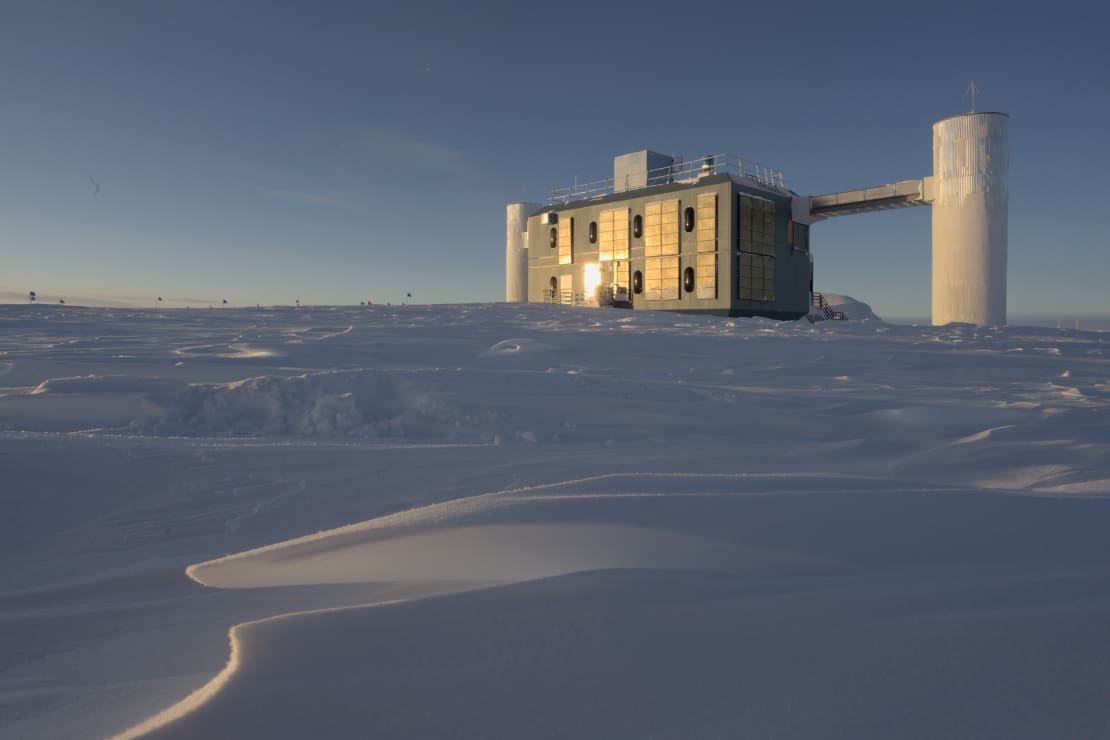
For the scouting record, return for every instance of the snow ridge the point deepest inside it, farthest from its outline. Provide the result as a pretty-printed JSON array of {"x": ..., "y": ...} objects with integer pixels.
[{"x": 362, "y": 403}]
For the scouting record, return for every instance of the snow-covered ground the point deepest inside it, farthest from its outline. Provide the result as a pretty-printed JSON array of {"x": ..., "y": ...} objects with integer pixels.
[{"x": 522, "y": 521}]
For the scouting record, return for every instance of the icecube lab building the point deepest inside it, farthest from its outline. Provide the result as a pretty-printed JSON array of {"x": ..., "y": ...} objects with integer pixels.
[{"x": 723, "y": 235}]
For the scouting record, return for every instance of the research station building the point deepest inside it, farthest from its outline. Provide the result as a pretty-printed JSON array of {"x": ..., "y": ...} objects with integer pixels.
[
  {"x": 724, "y": 235},
  {"x": 712, "y": 235}
]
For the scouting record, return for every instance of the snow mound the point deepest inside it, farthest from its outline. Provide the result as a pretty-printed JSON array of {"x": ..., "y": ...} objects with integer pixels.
[
  {"x": 358, "y": 403},
  {"x": 852, "y": 309}
]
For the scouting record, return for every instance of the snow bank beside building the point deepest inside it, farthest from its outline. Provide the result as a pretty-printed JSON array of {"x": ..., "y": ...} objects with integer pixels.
[{"x": 852, "y": 309}]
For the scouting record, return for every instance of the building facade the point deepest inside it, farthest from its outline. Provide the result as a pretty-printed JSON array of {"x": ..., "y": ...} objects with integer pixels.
[{"x": 692, "y": 237}]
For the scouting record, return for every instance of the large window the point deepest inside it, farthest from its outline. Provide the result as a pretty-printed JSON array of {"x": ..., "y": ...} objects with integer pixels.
[
  {"x": 566, "y": 241},
  {"x": 615, "y": 279},
  {"x": 661, "y": 229},
  {"x": 661, "y": 278},
  {"x": 613, "y": 235},
  {"x": 661, "y": 251},
  {"x": 756, "y": 265},
  {"x": 707, "y": 246}
]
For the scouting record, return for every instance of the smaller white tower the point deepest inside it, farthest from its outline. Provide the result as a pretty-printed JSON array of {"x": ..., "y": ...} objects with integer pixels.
[
  {"x": 516, "y": 251},
  {"x": 970, "y": 212}
]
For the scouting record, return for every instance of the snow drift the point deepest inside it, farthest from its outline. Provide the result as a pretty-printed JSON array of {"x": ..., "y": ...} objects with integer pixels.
[
  {"x": 852, "y": 309},
  {"x": 621, "y": 524},
  {"x": 361, "y": 403}
]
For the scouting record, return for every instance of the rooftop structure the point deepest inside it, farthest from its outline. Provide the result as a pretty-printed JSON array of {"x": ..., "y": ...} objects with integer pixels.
[{"x": 645, "y": 167}]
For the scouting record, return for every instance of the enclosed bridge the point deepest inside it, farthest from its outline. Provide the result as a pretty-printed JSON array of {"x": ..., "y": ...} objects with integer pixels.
[{"x": 723, "y": 235}]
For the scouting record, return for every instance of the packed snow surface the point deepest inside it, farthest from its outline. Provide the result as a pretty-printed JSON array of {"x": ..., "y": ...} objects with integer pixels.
[{"x": 523, "y": 521}]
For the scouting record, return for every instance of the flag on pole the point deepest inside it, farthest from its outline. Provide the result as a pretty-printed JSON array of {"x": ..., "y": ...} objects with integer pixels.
[{"x": 32, "y": 296}]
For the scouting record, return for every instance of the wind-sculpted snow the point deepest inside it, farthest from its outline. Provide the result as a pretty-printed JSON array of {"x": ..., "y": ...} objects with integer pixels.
[
  {"x": 97, "y": 384},
  {"x": 353, "y": 403},
  {"x": 709, "y": 566},
  {"x": 619, "y": 524}
]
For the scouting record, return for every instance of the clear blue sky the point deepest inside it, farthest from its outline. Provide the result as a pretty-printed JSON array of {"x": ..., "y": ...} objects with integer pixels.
[{"x": 265, "y": 152}]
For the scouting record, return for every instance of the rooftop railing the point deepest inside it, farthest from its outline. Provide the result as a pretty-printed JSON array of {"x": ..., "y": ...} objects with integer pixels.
[{"x": 681, "y": 170}]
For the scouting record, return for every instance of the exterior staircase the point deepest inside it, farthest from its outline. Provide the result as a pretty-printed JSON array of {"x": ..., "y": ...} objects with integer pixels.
[{"x": 822, "y": 311}]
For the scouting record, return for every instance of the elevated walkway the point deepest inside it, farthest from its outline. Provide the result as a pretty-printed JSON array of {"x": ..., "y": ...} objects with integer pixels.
[{"x": 903, "y": 194}]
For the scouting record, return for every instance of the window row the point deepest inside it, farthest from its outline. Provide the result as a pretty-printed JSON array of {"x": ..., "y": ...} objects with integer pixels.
[
  {"x": 658, "y": 227},
  {"x": 660, "y": 278}
]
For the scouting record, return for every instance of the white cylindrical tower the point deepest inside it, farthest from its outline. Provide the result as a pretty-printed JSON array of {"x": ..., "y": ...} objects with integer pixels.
[
  {"x": 970, "y": 212},
  {"x": 516, "y": 251}
]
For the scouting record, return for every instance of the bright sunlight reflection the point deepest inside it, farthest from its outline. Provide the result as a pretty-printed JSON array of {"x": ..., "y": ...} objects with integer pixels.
[{"x": 591, "y": 278}]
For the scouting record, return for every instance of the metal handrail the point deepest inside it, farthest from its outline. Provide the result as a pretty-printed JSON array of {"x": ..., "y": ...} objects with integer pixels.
[
  {"x": 825, "y": 310},
  {"x": 562, "y": 296},
  {"x": 681, "y": 170}
]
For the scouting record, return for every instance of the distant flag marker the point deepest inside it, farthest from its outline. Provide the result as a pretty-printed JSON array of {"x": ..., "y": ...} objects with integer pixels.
[
  {"x": 61, "y": 300},
  {"x": 225, "y": 301},
  {"x": 32, "y": 293}
]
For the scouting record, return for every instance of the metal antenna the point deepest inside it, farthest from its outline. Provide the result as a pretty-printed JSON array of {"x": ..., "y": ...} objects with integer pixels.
[{"x": 971, "y": 88}]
